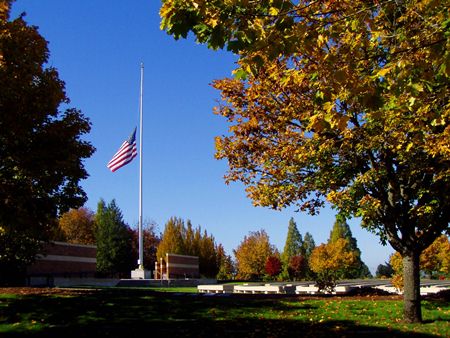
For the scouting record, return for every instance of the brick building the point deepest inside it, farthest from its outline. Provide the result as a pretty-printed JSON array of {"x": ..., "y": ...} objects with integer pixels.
[
  {"x": 177, "y": 266},
  {"x": 60, "y": 259}
]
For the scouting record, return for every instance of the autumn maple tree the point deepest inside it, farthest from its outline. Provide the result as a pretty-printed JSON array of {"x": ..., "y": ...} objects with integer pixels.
[
  {"x": 330, "y": 261},
  {"x": 273, "y": 266},
  {"x": 436, "y": 258},
  {"x": 78, "y": 226},
  {"x": 339, "y": 101},
  {"x": 252, "y": 254}
]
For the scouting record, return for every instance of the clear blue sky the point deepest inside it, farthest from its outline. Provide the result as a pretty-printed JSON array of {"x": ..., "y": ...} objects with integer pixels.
[{"x": 98, "y": 46}]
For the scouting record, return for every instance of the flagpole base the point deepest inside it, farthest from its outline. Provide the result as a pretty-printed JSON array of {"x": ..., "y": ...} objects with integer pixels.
[{"x": 140, "y": 273}]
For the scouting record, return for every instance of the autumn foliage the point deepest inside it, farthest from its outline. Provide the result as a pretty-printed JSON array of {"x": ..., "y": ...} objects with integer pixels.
[
  {"x": 42, "y": 146},
  {"x": 252, "y": 254},
  {"x": 339, "y": 101},
  {"x": 434, "y": 262},
  {"x": 298, "y": 267},
  {"x": 150, "y": 243},
  {"x": 273, "y": 266},
  {"x": 330, "y": 261},
  {"x": 181, "y": 238},
  {"x": 78, "y": 226}
]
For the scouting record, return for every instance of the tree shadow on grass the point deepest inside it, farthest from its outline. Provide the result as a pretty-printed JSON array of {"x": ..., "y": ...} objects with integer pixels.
[{"x": 127, "y": 313}]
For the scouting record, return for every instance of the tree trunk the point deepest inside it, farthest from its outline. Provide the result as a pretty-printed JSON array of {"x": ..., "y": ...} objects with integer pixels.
[{"x": 412, "y": 311}]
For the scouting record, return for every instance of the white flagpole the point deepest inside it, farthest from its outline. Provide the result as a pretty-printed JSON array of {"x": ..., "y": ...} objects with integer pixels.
[{"x": 141, "y": 237}]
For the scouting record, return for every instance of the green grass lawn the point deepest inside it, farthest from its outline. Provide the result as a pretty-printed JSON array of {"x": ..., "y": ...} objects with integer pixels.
[{"x": 127, "y": 312}]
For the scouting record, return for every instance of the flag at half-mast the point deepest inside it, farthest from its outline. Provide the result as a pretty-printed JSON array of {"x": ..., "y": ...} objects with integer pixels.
[{"x": 125, "y": 154}]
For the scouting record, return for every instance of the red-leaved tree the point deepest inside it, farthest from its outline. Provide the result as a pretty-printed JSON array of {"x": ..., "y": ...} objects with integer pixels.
[
  {"x": 297, "y": 267},
  {"x": 273, "y": 266}
]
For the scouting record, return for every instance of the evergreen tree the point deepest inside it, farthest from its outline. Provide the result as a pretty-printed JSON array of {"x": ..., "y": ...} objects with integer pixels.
[
  {"x": 308, "y": 247},
  {"x": 114, "y": 240},
  {"x": 341, "y": 229},
  {"x": 292, "y": 247},
  {"x": 294, "y": 243},
  {"x": 384, "y": 270}
]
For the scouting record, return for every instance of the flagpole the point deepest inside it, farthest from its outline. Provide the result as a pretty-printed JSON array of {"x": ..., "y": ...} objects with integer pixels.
[{"x": 141, "y": 237}]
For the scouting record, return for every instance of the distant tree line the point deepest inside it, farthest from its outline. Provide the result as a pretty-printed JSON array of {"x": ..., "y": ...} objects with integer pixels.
[
  {"x": 255, "y": 258},
  {"x": 339, "y": 258}
]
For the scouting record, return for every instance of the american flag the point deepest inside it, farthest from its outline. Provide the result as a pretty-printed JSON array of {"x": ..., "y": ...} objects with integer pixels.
[{"x": 125, "y": 154}]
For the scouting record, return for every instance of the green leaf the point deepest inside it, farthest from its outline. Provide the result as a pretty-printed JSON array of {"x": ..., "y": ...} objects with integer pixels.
[{"x": 240, "y": 74}]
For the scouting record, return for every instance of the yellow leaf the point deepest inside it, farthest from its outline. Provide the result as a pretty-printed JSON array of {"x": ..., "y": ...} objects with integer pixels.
[
  {"x": 274, "y": 11},
  {"x": 213, "y": 22},
  {"x": 383, "y": 71},
  {"x": 328, "y": 106},
  {"x": 321, "y": 40}
]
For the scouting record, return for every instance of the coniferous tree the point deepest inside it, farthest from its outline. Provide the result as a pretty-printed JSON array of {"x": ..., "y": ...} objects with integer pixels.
[
  {"x": 114, "y": 240},
  {"x": 384, "y": 270},
  {"x": 341, "y": 229},
  {"x": 294, "y": 242},
  {"x": 292, "y": 247},
  {"x": 308, "y": 247}
]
